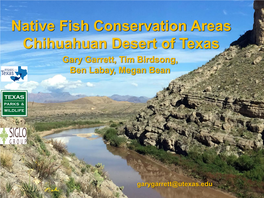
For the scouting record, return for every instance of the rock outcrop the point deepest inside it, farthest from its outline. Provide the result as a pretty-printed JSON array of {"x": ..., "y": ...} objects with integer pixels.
[
  {"x": 218, "y": 106},
  {"x": 258, "y": 28},
  {"x": 255, "y": 36}
]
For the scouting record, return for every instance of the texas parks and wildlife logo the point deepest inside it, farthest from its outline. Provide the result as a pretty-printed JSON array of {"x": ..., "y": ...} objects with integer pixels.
[
  {"x": 13, "y": 135},
  {"x": 14, "y": 73}
]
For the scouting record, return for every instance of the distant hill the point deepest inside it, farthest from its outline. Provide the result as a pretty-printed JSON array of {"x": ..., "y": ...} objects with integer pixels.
[
  {"x": 134, "y": 99},
  {"x": 66, "y": 97},
  {"x": 53, "y": 97},
  {"x": 86, "y": 108}
]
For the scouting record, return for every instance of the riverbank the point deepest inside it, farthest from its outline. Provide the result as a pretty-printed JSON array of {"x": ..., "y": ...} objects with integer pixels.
[
  {"x": 45, "y": 168},
  {"x": 49, "y": 132},
  {"x": 128, "y": 168},
  {"x": 228, "y": 173}
]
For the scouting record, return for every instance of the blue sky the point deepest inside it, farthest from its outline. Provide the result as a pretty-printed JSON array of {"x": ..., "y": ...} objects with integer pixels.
[{"x": 47, "y": 72}]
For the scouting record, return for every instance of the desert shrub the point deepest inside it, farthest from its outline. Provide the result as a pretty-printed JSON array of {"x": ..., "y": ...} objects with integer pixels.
[
  {"x": 6, "y": 159},
  {"x": 101, "y": 131},
  {"x": 38, "y": 138},
  {"x": 92, "y": 191},
  {"x": 98, "y": 179},
  {"x": 45, "y": 167},
  {"x": 59, "y": 146},
  {"x": 111, "y": 136},
  {"x": 158, "y": 154},
  {"x": 72, "y": 185},
  {"x": 231, "y": 160},
  {"x": 121, "y": 188},
  {"x": 117, "y": 194},
  {"x": 117, "y": 141},
  {"x": 244, "y": 163},
  {"x": 83, "y": 170},
  {"x": 110, "y": 133},
  {"x": 113, "y": 125},
  {"x": 99, "y": 166},
  {"x": 209, "y": 156},
  {"x": 72, "y": 154},
  {"x": 256, "y": 173},
  {"x": 31, "y": 190}
]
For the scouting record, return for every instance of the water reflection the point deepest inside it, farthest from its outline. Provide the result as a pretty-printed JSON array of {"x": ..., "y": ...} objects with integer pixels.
[{"x": 127, "y": 168}]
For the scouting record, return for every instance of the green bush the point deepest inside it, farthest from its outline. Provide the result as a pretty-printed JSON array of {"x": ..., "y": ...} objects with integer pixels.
[
  {"x": 72, "y": 185},
  {"x": 117, "y": 141},
  {"x": 111, "y": 136},
  {"x": 244, "y": 163},
  {"x": 113, "y": 125},
  {"x": 110, "y": 133}
]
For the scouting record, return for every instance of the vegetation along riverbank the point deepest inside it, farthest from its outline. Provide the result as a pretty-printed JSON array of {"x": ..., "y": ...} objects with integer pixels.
[{"x": 242, "y": 176}]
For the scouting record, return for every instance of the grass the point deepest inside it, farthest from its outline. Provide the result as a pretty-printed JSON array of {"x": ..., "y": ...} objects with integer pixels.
[
  {"x": 9, "y": 187},
  {"x": 31, "y": 190},
  {"x": 45, "y": 126},
  {"x": 45, "y": 167},
  {"x": 59, "y": 146},
  {"x": 42, "y": 146},
  {"x": 6, "y": 159},
  {"x": 44, "y": 149}
]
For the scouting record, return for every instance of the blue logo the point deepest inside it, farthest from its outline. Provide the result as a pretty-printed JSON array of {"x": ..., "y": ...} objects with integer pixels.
[{"x": 14, "y": 73}]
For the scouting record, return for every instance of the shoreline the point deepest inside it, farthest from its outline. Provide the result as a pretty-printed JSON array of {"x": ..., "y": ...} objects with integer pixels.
[
  {"x": 52, "y": 131},
  {"x": 177, "y": 169}
]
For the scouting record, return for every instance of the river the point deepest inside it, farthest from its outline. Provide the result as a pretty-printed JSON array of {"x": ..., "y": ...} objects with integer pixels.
[{"x": 127, "y": 168}]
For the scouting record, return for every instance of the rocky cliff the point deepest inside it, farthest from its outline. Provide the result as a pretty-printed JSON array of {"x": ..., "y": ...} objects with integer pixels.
[
  {"x": 258, "y": 28},
  {"x": 219, "y": 105}
]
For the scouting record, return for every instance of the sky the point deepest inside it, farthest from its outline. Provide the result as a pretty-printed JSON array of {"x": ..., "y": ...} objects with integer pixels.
[{"x": 48, "y": 73}]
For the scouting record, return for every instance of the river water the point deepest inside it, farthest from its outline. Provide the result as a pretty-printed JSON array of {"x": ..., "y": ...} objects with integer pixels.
[{"x": 127, "y": 168}]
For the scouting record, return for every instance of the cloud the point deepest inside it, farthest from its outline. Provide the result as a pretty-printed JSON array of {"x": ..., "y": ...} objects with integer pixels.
[
  {"x": 12, "y": 63},
  {"x": 89, "y": 84},
  {"x": 134, "y": 84},
  {"x": 59, "y": 83},
  {"x": 25, "y": 86}
]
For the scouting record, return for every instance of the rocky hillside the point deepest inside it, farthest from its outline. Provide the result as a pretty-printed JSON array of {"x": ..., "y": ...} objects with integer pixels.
[
  {"x": 43, "y": 168},
  {"x": 219, "y": 105},
  {"x": 87, "y": 108}
]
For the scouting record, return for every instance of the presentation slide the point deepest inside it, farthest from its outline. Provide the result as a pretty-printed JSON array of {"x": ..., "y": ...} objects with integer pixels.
[{"x": 132, "y": 98}]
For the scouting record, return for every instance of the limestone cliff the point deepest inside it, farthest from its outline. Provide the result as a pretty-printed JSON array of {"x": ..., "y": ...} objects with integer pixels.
[
  {"x": 258, "y": 28},
  {"x": 219, "y": 105}
]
